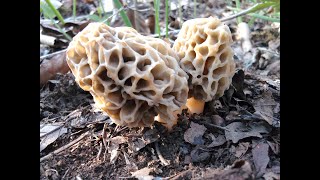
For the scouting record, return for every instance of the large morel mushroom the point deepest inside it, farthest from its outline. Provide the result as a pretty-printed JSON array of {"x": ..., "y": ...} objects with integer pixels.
[
  {"x": 133, "y": 78},
  {"x": 204, "y": 48}
]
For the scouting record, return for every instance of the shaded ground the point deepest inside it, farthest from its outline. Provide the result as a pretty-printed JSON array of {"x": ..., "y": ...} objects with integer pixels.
[{"x": 237, "y": 137}]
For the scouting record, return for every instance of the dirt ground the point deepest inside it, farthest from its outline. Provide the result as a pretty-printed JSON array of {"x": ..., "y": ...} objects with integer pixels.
[{"x": 237, "y": 136}]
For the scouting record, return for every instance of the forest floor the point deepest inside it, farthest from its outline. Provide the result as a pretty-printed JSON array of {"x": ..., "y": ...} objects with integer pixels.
[{"x": 236, "y": 137}]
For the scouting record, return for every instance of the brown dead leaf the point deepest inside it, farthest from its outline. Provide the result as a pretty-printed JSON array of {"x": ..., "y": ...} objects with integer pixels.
[
  {"x": 274, "y": 147},
  {"x": 49, "y": 68},
  {"x": 241, "y": 149},
  {"x": 264, "y": 106},
  {"x": 217, "y": 141},
  {"x": 194, "y": 134},
  {"x": 143, "y": 174},
  {"x": 198, "y": 155},
  {"x": 138, "y": 22},
  {"x": 237, "y": 130},
  {"x": 148, "y": 137},
  {"x": 240, "y": 170},
  {"x": 260, "y": 158},
  {"x": 271, "y": 176}
]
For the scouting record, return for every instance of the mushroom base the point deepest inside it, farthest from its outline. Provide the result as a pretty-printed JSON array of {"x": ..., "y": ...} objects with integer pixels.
[{"x": 195, "y": 106}]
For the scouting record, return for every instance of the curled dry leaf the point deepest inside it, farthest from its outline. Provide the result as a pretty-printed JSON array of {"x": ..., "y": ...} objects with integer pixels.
[
  {"x": 217, "y": 141},
  {"x": 50, "y": 133},
  {"x": 237, "y": 130},
  {"x": 198, "y": 155},
  {"x": 49, "y": 68},
  {"x": 194, "y": 134},
  {"x": 241, "y": 149},
  {"x": 114, "y": 146},
  {"x": 264, "y": 106},
  {"x": 149, "y": 136},
  {"x": 143, "y": 174}
]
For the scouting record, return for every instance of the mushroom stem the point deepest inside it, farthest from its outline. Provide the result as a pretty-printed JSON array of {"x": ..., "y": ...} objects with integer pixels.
[{"x": 195, "y": 106}]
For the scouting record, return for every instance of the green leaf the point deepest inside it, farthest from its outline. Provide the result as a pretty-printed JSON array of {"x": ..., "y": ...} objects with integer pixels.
[
  {"x": 46, "y": 10},
  {"x": 56, "y": 12},
  {"x": 122, "y": 13},
  {"x": 94, "y": 17}
]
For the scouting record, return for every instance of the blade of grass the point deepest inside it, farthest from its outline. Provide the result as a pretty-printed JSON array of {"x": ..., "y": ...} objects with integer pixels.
[
  {"x": 252, "y": 9},
  {"x": 260, "y": 16},
  {"x": 167, "y": 18},
  {"x": 194, "y": 8},
  {"x": 180, "y": 13},
  {"x": 60, "y": 29},
  {"x": 239, "y": 19},
  {"x": 56, "y": 12},
  {"x": 122, "y": 13},
  {"x": 156, "y": 8},
  {"x": 74, "y": 9}
]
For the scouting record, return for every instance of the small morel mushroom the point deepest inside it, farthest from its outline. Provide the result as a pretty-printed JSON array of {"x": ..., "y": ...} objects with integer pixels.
[
  {"x": 132, "y": 78},
  {"x": 203, "y": 46}
]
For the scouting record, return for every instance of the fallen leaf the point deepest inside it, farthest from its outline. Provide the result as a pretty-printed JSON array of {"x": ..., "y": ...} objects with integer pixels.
[
  {"x": 264, "y": 106},
  {"x": 114, "y": 156},
  {"x": 49, "y": 68},
  {"x": 114, "y": 146},
  {"x": 194, "y": 134},
  {"x": 241, "y": 149},
  {"x": 260, "y": 158},
  {"x": 148, "y": 137},
  {"x": 151, "y": 136},
  {"x": 274, "y": 147},
  {"x": 271, "y": 176},
  {"x": 50, "y": 133},
  {"x": 239, "y": 170},
  {"x": 237, "y": 130},
  {"x": 198, "y": 155},
  {"x": 217, "y": 141},
  {"x": 217, "y": 120},
  {"x": 143, "y": 174},
  {"x": 237, "y": 83}
]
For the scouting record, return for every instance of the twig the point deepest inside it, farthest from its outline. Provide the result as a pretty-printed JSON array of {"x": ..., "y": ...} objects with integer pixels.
[
  {"x": 52, "y": 54},
  {"x": 65, "y": 173},
  {"x": 100, "y": 150},
  {"x": 165, "y": 162},
  {"x": 64, "y": 147},
  {"x": 122, "y": 8},
  {"x": 216, "y": 126},
  {"x": 104, "y": 136}
]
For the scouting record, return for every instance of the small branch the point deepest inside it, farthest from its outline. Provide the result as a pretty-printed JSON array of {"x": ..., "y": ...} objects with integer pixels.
[
  {"x": 161, "y": 158},
  {"x": 64, "y": 147},
  {"x": 52, "y": 54}
]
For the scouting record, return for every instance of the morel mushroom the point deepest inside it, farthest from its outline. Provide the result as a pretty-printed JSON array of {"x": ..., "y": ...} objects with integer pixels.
[
  {"x": 132, "y": 78},
  {"x": 203, "y": 46}
]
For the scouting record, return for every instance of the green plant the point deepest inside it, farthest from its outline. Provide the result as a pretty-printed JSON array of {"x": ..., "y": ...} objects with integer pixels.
[
  {"x": 156, "y": 8},
  {"x": 74, "y": 13},
  {"x": 258, "y": 7},
  {"x": 55, "y": 11},
  {"x": 50, "y": 12},
  {"x": 122, "y": 13},
  {"x": 167, "y": 18}
]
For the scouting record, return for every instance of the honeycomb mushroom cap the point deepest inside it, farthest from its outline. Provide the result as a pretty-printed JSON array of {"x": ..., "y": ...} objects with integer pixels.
[
  {"x": 132, "y": 78},
  {"x": 203, "y": 46}
]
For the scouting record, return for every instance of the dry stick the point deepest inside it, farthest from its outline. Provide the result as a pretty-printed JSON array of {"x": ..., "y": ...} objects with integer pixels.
[
  {"x": 64, "y": 147},
  {"x": 52, "y": 54},
  {"x": 165, "y": 162}
]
